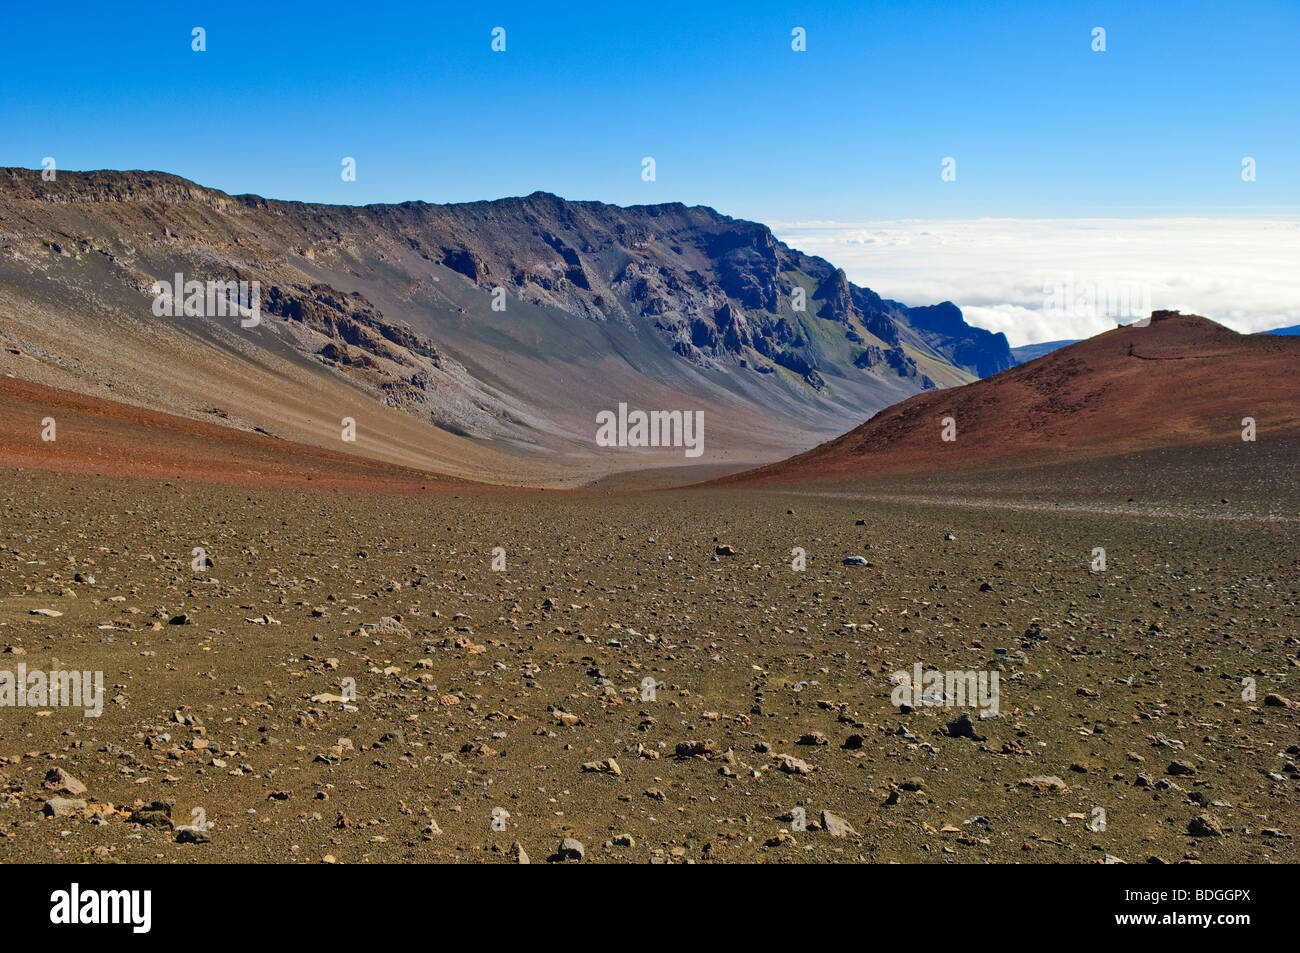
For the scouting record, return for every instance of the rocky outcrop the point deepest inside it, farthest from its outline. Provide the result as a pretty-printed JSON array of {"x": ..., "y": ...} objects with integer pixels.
[
  {"x": 347, "y": 320},
  {"x": 467, "y": 263}
]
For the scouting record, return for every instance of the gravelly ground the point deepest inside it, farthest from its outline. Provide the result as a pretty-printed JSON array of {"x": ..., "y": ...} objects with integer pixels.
[{"x": 1135, "y": 668}]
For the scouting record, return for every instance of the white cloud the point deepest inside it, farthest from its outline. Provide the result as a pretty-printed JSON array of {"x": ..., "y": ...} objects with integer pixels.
[{"x": 1035, "y": 279}]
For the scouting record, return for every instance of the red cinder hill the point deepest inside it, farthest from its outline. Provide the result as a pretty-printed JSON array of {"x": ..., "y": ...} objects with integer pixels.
[{"x": 1181, "y": 381}]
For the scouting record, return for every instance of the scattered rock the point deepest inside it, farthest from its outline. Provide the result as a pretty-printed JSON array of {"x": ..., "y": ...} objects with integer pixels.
[
  {"x": 1045, "y": 783},
  {"x": 837, "y": 826},
  {"x": 793, "y": 765},
  {"x": 571, "y": 849},
  {"x": 387, "y": 625},
  {"x": 156, "y": 814},
  {"x": 964, "y": 727},
  {"x": 56, "y": 779},
  {"x": 63, "y": 807},
  {"x": 1204, "y": 825},
  {"x": 698, "y": 749}
]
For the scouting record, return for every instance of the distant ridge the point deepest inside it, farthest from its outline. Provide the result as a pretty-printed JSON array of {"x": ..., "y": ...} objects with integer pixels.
[{"x": 1029, "y": 352}]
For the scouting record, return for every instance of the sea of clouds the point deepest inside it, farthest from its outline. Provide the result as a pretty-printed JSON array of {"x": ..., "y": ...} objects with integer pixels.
[{"x": 1243, "y": 273}]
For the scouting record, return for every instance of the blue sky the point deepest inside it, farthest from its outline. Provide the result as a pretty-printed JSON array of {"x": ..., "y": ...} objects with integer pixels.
[{"x": 853, "y": 129}]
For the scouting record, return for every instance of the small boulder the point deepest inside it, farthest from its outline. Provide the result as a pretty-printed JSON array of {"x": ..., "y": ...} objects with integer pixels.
[
  {"x": 837, "y": 826},
  {"x": 56, "y": 779},
  {"x": 964, "y": 727},
  {"x": 571, "y": 849},
  {"x": 156, "y": 814},
  {"x": 1204, "y": 825},
  {"x": 793, "y": 765},
  {"x": 608, "y": 766},
  {"x": 63, "y": 807},
  {"x": 1045, "y": 783}
]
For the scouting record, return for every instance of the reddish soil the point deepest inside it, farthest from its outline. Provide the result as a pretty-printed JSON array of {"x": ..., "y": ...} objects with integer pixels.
[
  {"x": 103, "y": 437},
  {"x": 1182, "y": 381}
]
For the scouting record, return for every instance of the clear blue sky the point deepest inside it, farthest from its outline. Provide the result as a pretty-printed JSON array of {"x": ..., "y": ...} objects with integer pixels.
[{"x": 852, "y": 129}]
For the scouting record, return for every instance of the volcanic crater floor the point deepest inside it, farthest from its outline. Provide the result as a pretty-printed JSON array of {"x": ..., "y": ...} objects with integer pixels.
[{"x": 496, "y": 711}]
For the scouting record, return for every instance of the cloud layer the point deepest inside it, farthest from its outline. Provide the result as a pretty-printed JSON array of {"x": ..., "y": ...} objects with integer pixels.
[{"x": 1049, "y": 279}]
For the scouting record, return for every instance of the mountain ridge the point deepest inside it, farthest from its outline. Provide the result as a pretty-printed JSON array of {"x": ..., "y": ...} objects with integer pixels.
[{"x": 673, "y": 304}]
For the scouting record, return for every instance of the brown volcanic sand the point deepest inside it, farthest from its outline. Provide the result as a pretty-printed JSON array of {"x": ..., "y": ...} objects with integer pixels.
[{"x": 748, "y": 651}]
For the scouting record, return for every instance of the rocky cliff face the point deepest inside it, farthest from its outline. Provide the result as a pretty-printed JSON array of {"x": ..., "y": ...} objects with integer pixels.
[
  {"x": 978, "y": 350},
  {"x": 425, "y": 306}
]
